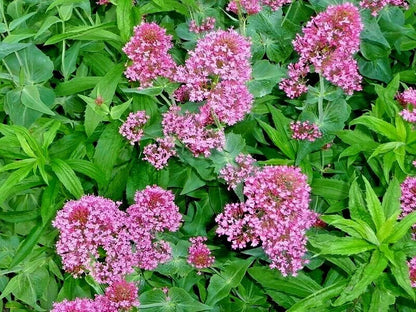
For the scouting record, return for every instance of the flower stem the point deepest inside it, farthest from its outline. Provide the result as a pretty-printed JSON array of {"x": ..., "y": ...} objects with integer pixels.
[{"x": 321, "y": 99}]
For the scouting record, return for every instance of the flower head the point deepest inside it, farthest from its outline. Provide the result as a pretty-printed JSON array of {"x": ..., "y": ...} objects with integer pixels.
[
  {"x": 122, "y": 295},
  {"x": 132, "y": 128},
  {"x": 148, "y": 50},
  {"x": 408, "y": 100},
  {"x": 235, "y": 174},
  {"x": 206, "y": 25},
  {"x": 199, "y": 254},
  {"x": 408, "y": 199},
  {"x": 159, "y": 154},
  {"x": 305, "y": 131}
]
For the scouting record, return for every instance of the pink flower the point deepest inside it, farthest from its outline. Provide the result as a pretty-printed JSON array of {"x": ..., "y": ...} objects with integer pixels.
[
  {"x": 148, "y": 49},
  {"x": 199, "y": 255},
  {"x": 328, "y": 43},
  {"x": 234, "y": 175},
  {"x": 132, "y": 128},
  {"x": 408, "y": 199},
  {"x": 78, "y": 305},
  {"x": 249, "y": 6},
  {"x": 220, "y": 55},
  {"x": 412, "y": 271},
  {"x": 275, "y": 214},
  {"x": 158, "y": 154},
  {"x": 191, "y": 130},
  {"x": 229, "y": 102},
  {"x": 206, "y": 25},
  {"x": 305, "y": 131},
  {"x": 408, "y": 100},
  {"x": 122, "y": 295},
  {"x": 90, "y": 239},
  {"x": 377, "y": 5}
]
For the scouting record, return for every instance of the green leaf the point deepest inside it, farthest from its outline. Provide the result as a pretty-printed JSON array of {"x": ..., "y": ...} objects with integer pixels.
[
  {"x": 220, "y": 285},
  {"x": 402, "y": 228},
  {"x": 19, "y": 216},
  {"x": 26, "y": 247},
  {"x": 108, "y": 149},
  {"x": 67, "y": 177},
  {"x": 374, "y": 205},
  {"x": 353, "y": 228},
  {"x": 87, "y": 168},
  {"x": 277, "y": 139},
  {"x": 18, "y": 21},
  {"x": 6, "y": 189},
  {"x": 31, "y": 99},
  {"x": 378, "y": 69},
  {"x": 330, "y": 188},
  {"x": 76, "y": 85},
  {"x": 391, "y": 199},
  {"x": 124, "y": 18},
  {"x": 9, "y": 48},
  {"x": 378, "y": 125},
  {"x": 381, "y": 300},
  {"x": 317, "y": 299},
  {"x": 333, "y": 245},
  {"x": 364, "y": 276},
  {"x": 299, "y": 286},
  {"x": 48, "y": 22},
  {"x": 400, "y": 271},
  {"x": 265, "y": 77},
  {"x": 36, "y": 66},
  {"x": 118, "y": 110},
  {"x": 48, "y": 206}
]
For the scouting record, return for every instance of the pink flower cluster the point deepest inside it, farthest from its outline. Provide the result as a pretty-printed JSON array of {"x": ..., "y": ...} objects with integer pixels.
[
  {"x": 412, "y": 271},
  {"x": 408, "y": 100},
  {"x": 148, "y": 49},
  {"x": 119, "y": 296},
  {"x": 98, "y": 238},
  {"x": 330, "y": 39},
  {"x": 408, "y": 205},
  {"x": 408, "y": 199},
  {"x": 199, "y": 255},
  {"x": 192, "y": 132},
  {"x": 206, "y": 25},
  {"x": 377, "y": 5},
  {"x": 235, "y": 174},
  {"x": 132, "y": 128},
  {"x": 305, "y": 131},
  {"x": 254, "y": 6},
  {"x": 216, "y": 72},
  {"x": 159, "y": 154},
  {"x": 275, "y": 214}
]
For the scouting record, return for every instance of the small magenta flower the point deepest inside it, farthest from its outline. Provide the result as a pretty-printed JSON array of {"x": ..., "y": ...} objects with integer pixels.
[
  {"x": 377, "y": 5},
  {"x": 122, "y": 295},
  {"x": 305, "y": 131},
  {"x": 148, "y": 49},
  {"x": 235, "y": 174},
  {"x": 199, "y": 255},
  {"x": 249, "y": 6},
  {"x": 412, "y": 271},
  {"x": 132, "y": 128},
  {"x": 328, "y": 43},
  {"x": 159, "y": 154},
  {"x": 408, "y": 199},
  {"x": 206, "y": 25},
  {"x": 77, "y": 305},
  {"x": 408, "y": 100}
]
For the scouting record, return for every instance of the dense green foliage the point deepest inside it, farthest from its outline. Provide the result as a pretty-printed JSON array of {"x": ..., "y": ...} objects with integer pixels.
[{"x": 58, "y": 57}]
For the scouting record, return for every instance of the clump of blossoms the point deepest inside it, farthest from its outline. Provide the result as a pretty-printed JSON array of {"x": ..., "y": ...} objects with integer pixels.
[
  {"x": 408, "y": 199},
  {"x": 305, "y": 131},
  {"x": 275, "y": 214},
  {"x": 206, "y": 25},
  {"x": 159, "y": 153},
  {"x": 408, "y": 100},
  {"x": 408, "y": 205},
  {"x": 89, "y": 239},
  {"x": 192, "y": 132},
  {"x": 119, "y": 296},
  {"x": 153, "y": 212},
  {"x": 255, "y": 6},
  {"x": 148, "y": 50},
  {"x": 238, "y": 173},
  {"x": 99, "y": 239},
  {"x": 199, "y": 255},
  {"x": 132, "y": 128},
  {"x": 328, "y": 44},
  {"x": 377, "y": 5}
]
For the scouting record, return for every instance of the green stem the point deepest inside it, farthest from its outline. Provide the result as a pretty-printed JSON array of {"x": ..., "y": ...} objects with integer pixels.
[
  {"x": 241, "y": 19},
  {"x": 165, "y": 99},
  {"x": 321, "y": 99}
]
